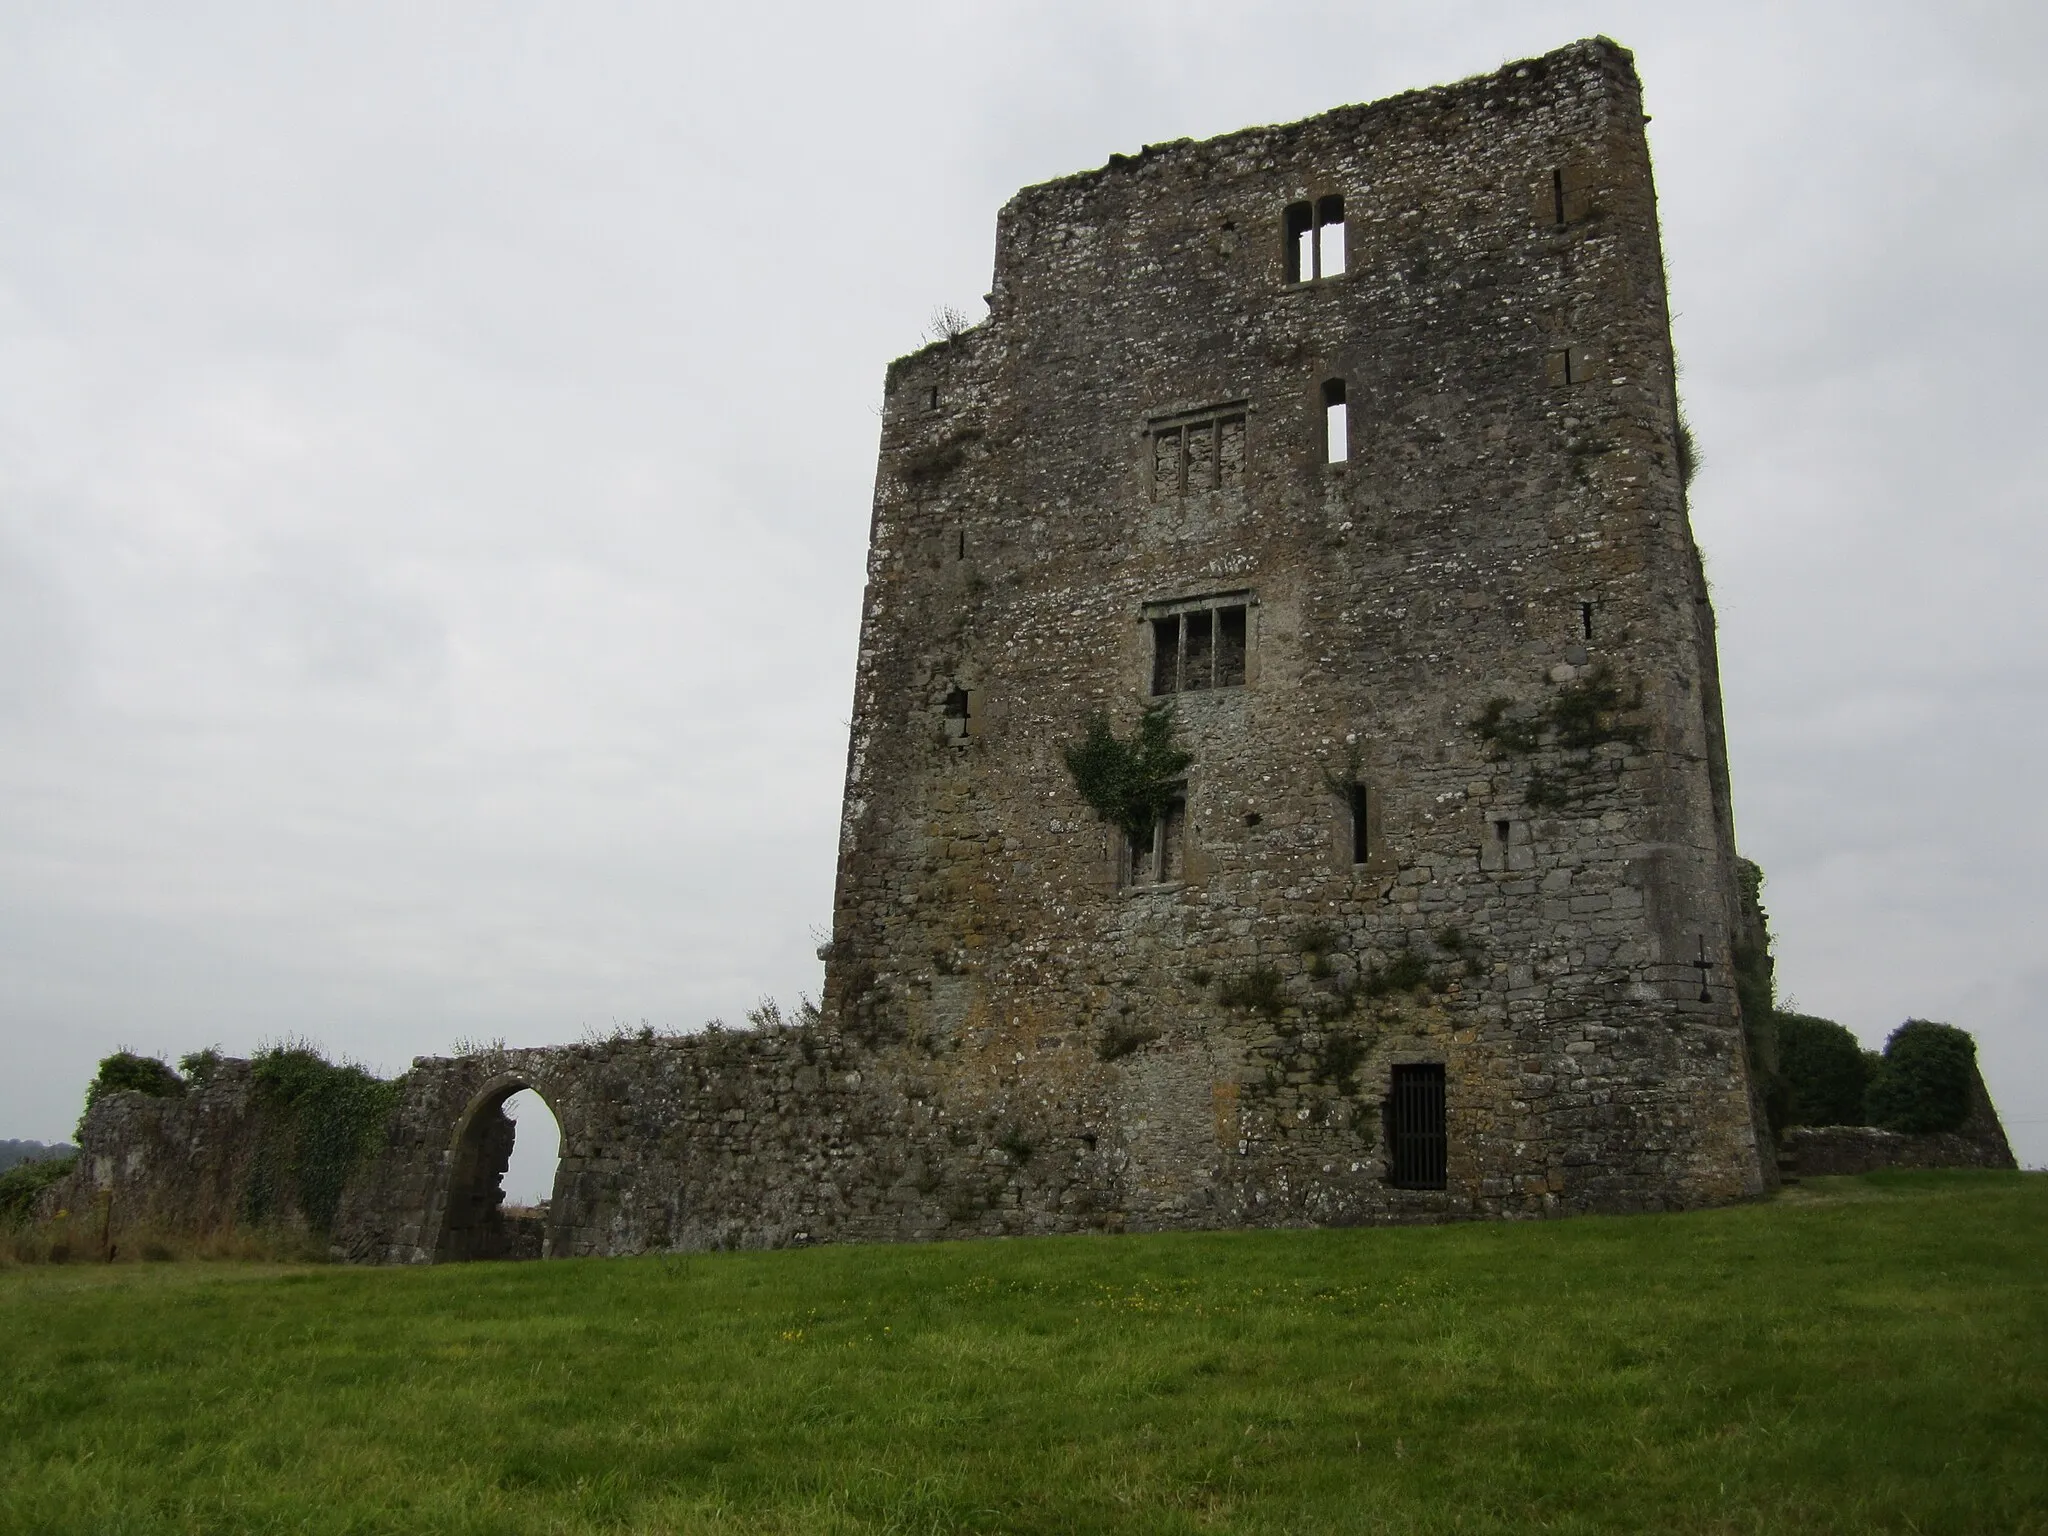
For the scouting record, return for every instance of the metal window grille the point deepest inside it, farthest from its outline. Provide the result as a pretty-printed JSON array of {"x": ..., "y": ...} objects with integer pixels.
[{"x": 1415, "y": 1127}]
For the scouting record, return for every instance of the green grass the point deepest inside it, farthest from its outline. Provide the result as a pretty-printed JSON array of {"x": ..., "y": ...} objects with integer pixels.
[{"x": 1859, "y": 1355}]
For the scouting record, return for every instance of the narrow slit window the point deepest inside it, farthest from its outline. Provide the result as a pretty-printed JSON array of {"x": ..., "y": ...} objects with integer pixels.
[
  {"x": 1301, "y": 242},
  {"x": 1586, "y": 620},
  {"x": 1166, "y": 654},
  {"x": 932, "y": 399},
  {"x": 1557, "y": 196},
  {"x": 1336, "y": 423},
  {"x": 961, "y": 553},
  {"x": 1330, "y": 237},
  {"x": 1359, "y": 836},
  {"x": 1198, "y": 656},
  {"x": 1417, "y": 1134}
]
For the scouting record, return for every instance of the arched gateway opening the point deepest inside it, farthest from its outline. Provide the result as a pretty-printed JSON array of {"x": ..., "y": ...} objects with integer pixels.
[{"x": 478, "y": 1221}]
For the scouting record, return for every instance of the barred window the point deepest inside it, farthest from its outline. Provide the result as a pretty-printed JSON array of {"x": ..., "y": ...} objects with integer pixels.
[
  {"x": 1200, "y": 644},
  {"x": 1417, "y": 1136}
]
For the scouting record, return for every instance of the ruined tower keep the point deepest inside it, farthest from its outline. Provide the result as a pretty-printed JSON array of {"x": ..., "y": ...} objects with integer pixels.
[{"x": 1354, "y": 444}]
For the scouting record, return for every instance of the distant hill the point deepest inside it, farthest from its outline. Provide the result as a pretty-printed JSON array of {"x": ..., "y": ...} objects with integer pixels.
[{"x": 12, "y": 1152}]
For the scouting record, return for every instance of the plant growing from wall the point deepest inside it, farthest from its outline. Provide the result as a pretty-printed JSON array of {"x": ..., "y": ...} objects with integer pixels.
[
  {"x": 1581, "y": 715},
  {"x": 1923, "y": 1081},
  {"x": 127, "y": 1072},
  {"x": 935, "y": 461},
  {"x": 1122, "y": 1038},
  {"x": 1337, "y": 1060},
  {"x": 1405, "y": 971},
  {"x": 324, "y": 1118},
  {"x": 1318, "y": 941},
  {"x": 1129, "y": 783},
  {"x": 1257, "y": 990},
  {"x": 199, "y": 1066},
  {"x": 1756, "y": 990}
]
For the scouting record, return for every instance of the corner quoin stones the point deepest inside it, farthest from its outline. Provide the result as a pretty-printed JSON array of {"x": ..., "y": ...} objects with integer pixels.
[{"x": 1356, "y": 441}]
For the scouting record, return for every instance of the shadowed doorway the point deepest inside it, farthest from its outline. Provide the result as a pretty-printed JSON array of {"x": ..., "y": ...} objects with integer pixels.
[{"x": 501, "y": 1182}]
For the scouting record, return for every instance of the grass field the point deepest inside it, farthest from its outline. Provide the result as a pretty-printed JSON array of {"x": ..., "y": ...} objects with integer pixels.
[{"x": 1858, "y": 1355}]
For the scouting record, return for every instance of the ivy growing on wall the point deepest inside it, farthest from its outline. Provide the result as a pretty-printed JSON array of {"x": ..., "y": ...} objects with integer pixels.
[
  {"x": 1129, "y": 782},
  {"x": 322, "y": 1119},
  {"x": 1581, "y": 715}
]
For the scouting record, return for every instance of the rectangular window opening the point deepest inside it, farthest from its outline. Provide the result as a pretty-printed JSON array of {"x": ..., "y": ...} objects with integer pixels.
[
  {"x": 1557, "y": 196},
  {"x": 932, "y": 399},
  {"x": 1301, "y": 242},
  {"x": 1166, "y": 654},
  {"x": 1198, "y": 452},
  {"x": 1336, "y": 423},
  {"x": 1360, "y": 839},
  {"x": 1586, "y": 620},
  {"x": 1417, "y": 1136},
  {"x": 1330, "y": 237},
  {"x": 1157, "y": 854}
]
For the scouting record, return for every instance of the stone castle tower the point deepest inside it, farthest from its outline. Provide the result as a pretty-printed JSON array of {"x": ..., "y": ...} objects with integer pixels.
[
  {"x": 1355, "y": 443},
  {"x": 1286, "y": 782}
]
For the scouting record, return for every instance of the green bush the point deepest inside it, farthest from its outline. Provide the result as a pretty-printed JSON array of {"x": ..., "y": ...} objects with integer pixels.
[
  {"x": 20, "y": 1185},
  {"x": 199, "y": 1066},
  {"x": 1823, "y": 1069},
  {"x": 126, "y": 1072},
  {"x": 1922, "y": 1084},
  {"x": 1129, "y": 783}
]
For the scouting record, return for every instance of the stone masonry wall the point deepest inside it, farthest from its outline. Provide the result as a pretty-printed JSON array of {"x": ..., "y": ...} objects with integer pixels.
[{"x": 1509, "y": 524}]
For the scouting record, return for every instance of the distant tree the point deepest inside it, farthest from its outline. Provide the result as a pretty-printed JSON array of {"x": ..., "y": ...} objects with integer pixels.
[
  {"x": 1823, "y": 1069},
  {"x": 1923, "y": 1080}
]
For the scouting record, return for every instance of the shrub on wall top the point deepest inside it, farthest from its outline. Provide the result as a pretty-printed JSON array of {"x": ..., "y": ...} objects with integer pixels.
[
  {"x": 1824, "y": 1072},
  {"x": 1922, "y": 1082},
  {"x": 126, "y": 1072}
]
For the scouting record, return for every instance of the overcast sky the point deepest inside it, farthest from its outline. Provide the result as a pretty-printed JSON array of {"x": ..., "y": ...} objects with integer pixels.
[{"x": 436, "y": 445}]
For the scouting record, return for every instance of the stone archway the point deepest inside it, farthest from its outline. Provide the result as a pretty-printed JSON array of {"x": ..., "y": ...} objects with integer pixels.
[{"x": 473, "y": 1220}]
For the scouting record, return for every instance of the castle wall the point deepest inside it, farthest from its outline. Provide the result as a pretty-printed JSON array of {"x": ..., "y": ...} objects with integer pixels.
[{"x": 1510, "y": 524}]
